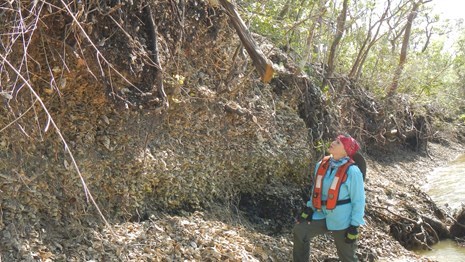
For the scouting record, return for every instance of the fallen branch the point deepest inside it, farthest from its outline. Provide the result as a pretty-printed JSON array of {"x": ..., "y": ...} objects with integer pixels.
[
  {"x": 263, "y": 65},
  {"x": 385, "y": 208}
]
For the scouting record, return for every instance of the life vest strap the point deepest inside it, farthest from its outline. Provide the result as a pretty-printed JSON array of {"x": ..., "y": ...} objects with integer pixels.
[{"x": 339, "y": 202}]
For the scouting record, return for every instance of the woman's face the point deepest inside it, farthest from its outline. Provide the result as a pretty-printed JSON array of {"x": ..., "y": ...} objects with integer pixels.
[{"x": 337, "y": 149}]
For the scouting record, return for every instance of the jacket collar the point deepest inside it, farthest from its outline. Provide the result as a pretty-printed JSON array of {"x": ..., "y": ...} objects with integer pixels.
[{"x": 337, "y": 163}]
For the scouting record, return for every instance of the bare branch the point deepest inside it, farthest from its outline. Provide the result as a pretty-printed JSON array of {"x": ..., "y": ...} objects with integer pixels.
[{"x": 66, "y": 147}]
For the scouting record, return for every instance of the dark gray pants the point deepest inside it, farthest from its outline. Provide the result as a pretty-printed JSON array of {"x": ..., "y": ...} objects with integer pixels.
[{"x": 304, "y": 232}]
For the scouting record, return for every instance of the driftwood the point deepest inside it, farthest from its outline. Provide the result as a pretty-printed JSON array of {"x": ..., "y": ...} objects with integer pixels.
[
  {"x": 263, "y": 65},
  {"x": 457, "y": 230},
  {"x": 414, "y": 234},
  {"x": 439, "y": 227}
]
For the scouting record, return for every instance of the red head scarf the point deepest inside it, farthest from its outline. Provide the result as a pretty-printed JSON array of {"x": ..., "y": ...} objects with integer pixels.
[{"x": 351, "y": 146}]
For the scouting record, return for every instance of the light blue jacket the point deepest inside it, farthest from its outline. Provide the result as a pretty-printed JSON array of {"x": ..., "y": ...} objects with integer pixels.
[{"x": 343, "y": 215}]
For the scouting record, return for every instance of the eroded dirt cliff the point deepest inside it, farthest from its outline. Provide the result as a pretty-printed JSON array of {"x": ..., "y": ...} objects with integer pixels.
[{"x": 209, "y": 164}]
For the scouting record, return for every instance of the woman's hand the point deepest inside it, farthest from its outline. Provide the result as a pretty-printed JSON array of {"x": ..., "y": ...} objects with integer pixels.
[
  {"x": 351, "y": 234},
  {"x": 305, "y": 215}
]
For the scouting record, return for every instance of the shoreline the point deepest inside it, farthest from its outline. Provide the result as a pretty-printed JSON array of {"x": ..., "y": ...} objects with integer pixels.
[{"x": 392, "y": 185}]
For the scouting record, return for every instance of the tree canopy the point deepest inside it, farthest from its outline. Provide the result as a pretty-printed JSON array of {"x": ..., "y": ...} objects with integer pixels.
[{"x": 395, "y": 46}]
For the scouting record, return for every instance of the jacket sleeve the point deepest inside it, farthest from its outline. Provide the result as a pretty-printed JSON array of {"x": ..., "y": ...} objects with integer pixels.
[{"x": 357, "y": 196}]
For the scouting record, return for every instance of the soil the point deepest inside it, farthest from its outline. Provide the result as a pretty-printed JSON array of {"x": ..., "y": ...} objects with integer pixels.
[{"x": 209, "y": 165}]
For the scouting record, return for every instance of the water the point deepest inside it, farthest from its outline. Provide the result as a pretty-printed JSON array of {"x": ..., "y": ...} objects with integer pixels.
[
  {"x": 445, "y": 251},
  {"x": 446, "y": 186}
]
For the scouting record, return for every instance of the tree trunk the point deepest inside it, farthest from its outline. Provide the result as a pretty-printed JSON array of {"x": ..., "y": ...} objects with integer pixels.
[
  {"x": 263, "y": 65},
  {"x": 398, "y": 16},
  {"x": 341, "y": 20},
  {"x": 428, "y": 32},
  {"x": 404, "y": 49},
  {"x": 307, "y": 53},
  {"x": 366, "y": 46}
]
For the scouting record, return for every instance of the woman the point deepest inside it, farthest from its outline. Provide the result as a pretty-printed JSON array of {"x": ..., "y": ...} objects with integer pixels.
[{"x": 337, "y": 204}]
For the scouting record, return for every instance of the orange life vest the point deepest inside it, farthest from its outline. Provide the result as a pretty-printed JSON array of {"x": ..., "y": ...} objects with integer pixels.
[{"x": 333, "y": 192}]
